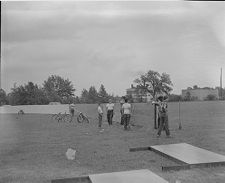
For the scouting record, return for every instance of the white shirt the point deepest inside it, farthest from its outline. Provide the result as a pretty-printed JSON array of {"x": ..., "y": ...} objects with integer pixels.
[
  {"x": 109, "y": 106},
  {"x": 126, "y": 108},
  {"x": 100, "y": 110},
  {"x": 72, "y": 106}
]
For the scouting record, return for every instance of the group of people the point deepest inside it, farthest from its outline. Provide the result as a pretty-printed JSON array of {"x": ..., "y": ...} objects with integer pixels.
[
  {"x": 125, "y": 110},
  {"x": 125, "y": 113}
]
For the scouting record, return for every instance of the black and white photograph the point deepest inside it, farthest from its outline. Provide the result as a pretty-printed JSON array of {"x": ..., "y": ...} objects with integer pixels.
[{"x": 112, "y": 92}]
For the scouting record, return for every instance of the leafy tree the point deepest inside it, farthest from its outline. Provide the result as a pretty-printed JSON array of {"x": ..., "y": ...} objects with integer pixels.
[
  {"x": 58, "y": 89},
  {"x": 84, "y": 96},
  {"x": 195, "y": 87},
  {"x": 3, "y": 97},
  {"x": 102, "y": 94},
  {"x": 92, "y": 95},
  {"x": 211, "y": 97},
  {"x": 29, "y": 94},
  {"x": 174, "y": 98},
  {"x": 187, "y": 97},
  {"x": 154, "y": 83}
]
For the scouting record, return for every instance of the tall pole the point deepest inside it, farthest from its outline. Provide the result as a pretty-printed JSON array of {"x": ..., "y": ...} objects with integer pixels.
[
  {"x": 155, "y": 117},
  {"x": 0, "y": 47},
  {"x": 180, "y": 126},
  {"x": 221, "y": 87}
]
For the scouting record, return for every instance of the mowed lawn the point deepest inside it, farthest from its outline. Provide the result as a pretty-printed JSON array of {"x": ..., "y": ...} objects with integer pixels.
[{"x": 33, "y": 146}]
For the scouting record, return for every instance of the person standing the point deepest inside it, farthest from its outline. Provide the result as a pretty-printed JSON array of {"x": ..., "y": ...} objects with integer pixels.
[
  {"x": 100, "y": 114},
  {"x": 126, "y": 108},
  {"x": 163, "y": 115},
  {"x": 72, "y": 110},
  {"x": 121, "y": 112},
  {"x": 110, "y": 111}
]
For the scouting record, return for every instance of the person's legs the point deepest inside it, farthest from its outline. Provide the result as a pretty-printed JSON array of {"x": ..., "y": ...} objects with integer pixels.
[
  {"x": 111, "y": 118},
  {"x": 161, "y": 124},
  {"x": 128, "y": 120},
  {"x": 125, "y": 121},
  {"x": 122, "y": 118},
  {"x": 72, "y": 115},
  {"x": 99, "y": 120},
  {"x": 167, "y": 126},
  {"x": 158, "y": 120},
  {"x": 108, "y": 117}
]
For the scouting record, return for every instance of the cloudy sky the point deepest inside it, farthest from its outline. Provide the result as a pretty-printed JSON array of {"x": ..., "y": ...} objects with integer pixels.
[{"x": 111, "y": 43}]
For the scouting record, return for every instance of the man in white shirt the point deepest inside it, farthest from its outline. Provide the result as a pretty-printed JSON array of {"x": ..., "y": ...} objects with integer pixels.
[
  {"x": 100, "y": 114},
  {"x": 110, "y": 109},
  {"x": 72, "y": 110},
  {"x": 126, "y": 108}
]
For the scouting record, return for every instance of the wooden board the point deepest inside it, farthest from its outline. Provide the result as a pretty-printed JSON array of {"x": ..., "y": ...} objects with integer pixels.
[
  {"x": 189, "y": 154},
  {"x": 134, "y": 176}
]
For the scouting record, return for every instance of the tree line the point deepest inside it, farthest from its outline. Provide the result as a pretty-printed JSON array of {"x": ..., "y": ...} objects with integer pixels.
[{"x": 54, "y": 89}]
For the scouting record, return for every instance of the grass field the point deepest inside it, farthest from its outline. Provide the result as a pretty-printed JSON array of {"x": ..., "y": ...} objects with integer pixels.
[{"x": 32, "y": 147}]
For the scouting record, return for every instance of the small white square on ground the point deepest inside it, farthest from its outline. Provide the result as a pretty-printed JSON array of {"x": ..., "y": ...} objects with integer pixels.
[
  {"x": 134, "y": 176},
  {"x": 189, "y": 154}
]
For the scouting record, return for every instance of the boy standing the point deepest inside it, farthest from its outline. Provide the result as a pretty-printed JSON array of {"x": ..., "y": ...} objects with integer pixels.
[
  {"x": 110, "y": 111},
  {"x": 100, "y": 114},
  {"x": 121, "y": 112},
  {"x": 126, "y": 108},
  {"x": 72, "y": 110}
]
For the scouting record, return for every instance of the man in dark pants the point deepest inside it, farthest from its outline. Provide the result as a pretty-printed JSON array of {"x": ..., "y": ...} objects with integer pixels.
[
  {"x": 126, "y": 108},
  {"x": 121, "y": 111},
  {"x": 110, "y": 111},
  {"x": 163, "y": 115}
]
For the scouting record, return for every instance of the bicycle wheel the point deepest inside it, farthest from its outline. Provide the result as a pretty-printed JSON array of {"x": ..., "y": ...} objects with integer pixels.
[
  {"x": 86, "y": 119},
  {"x": 80, "y": 118},
  {"x": 67, "y": 118}
]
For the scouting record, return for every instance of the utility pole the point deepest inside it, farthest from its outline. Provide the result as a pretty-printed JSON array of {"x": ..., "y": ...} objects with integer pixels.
[
  {"x": 0, "y": 47},
  {"x": 221, "y": 87}
]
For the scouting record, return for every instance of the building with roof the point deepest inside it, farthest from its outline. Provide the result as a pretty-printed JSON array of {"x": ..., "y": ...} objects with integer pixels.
[
  {"x": 199, "y": 93},
  {"x": 138, "y": 94}
]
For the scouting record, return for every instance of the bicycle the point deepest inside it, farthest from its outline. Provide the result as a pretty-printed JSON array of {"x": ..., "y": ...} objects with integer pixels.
[
  {"x": 69, "y": 117},
  {"x": 81, "y": 118},
  {"x": 62, "y": 117}
]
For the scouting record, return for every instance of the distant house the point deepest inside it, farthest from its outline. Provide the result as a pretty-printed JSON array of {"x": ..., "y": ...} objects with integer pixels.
[
  {"x": 138, "y": 94},
  {"x": 200, "y": 93}
]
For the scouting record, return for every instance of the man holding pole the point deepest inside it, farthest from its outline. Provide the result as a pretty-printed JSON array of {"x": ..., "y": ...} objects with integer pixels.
[{"x": 163, "y": 115}]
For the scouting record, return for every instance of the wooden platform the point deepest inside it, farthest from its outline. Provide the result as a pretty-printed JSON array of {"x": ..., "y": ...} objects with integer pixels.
[
  {"x": 186, "y": 155},
  {"x": 134, "y": 176},
  {"x": 189, "y": 154}
]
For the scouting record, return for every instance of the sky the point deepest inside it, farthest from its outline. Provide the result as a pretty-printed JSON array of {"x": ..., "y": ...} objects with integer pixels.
[{"x": 112, "y": 43}]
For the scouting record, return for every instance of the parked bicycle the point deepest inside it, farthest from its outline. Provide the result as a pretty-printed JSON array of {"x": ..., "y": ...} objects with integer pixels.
[{"x": 64, "y": 117}]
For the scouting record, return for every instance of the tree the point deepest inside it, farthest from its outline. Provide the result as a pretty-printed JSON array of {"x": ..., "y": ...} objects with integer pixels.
[
  {"x": 84, "y": 96},
  {"x": 58, "y": 89},
  {"x": 3, "y": 97},
  {"x": 187, "y": 97},
  {"x": 29, "y": 94},
  {"x": 102, "y": 94},
  {"x": 195, "y": 87},
  {"x": 174, "y": 98},
  {"x": 210, "y": 97},
  {"x": 154, "y": 83},
  {"x": 92, "y": 95}
]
